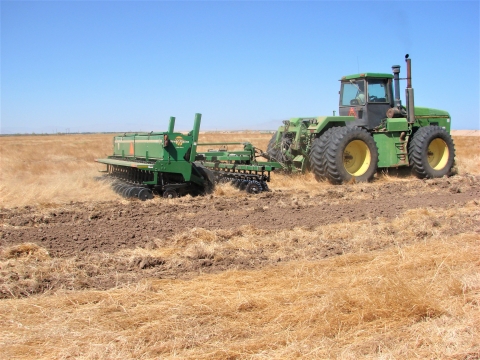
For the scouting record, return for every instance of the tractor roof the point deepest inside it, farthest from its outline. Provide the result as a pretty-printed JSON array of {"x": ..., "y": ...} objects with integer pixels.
[{"x": 367, "y": 75}]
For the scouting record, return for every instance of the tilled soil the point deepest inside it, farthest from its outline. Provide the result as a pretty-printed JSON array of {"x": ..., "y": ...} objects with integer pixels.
[
  {"x": 80, "y": 228},
  {"x": 89, "y": 232}
]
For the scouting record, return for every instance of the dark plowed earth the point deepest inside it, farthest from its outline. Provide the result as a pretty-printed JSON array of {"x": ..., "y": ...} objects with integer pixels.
[{"x": 81, "y": 229}]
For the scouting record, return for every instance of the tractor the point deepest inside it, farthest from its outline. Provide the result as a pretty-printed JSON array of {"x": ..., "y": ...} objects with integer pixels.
[{"x": 373, "y": 130}]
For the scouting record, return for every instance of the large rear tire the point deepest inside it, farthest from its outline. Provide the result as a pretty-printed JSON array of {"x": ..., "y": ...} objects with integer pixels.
[
  {"x": 431, "y": 152},
  {"x": 317, "y": 154},
  {"x": 273, "y": 149},
  {"x": 351, "y": 154}
]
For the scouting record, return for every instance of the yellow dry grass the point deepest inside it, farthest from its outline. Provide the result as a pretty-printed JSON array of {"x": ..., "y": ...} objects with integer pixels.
[
  {"x": 55, "y": 169},
  {"x": 417, "y": 301},
  {"x": 405, "y": 288},
  {"x": 258, "y": 139},
  {"x": 52, "y": 169},
  {"x": 467, "y": 154}
]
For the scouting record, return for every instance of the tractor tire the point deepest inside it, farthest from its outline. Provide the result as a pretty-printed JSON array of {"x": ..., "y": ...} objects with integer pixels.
[
  {"x": 431, "y": 152},
  {"x": 274, "y": 152},
  {"x": 351, "y": 154},
  {"x": 317, "y": 155}
]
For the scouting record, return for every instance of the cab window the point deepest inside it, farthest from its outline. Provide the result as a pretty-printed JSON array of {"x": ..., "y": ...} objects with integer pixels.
[
  {"x": 377, "y": 91},
  {"x": 352, "y": 93}
]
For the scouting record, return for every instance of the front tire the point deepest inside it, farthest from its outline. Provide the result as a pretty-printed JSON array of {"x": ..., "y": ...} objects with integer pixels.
[
  {"x": 431, "y": 152},
  {"x": 273, "y": 149},
  {"x": 351, "y": 154},
  {"x": 317, "y": 154}
]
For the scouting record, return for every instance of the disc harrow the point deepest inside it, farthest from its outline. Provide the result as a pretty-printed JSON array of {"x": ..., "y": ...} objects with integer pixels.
[
  {"x": 129, "y": 190},
  {"x": 252, "y": 184}
]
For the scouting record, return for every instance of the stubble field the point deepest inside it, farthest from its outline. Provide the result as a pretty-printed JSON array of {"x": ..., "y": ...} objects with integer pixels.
[{"x": 388, "y": 269}]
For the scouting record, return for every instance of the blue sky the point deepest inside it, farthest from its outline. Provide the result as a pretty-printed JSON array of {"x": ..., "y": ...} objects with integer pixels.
[{"x": 126, "y": 65}]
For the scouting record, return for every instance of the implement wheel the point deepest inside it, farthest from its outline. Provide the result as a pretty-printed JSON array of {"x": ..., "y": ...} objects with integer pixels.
[
  {"x": 121, "y": 188},
  {"x": 133, "y": 191},
  {"x": 351, "y": 154},
  {"x": 317, "y": 154},
  {"x": 254, "y": 187},
  {"x": 170, "y": 194},
  {"x": 126, "y": 190},
  {"x": 243, "y": 185},
  {"x": 145, "y": 194},
  {"x": 431, "y": 152}
]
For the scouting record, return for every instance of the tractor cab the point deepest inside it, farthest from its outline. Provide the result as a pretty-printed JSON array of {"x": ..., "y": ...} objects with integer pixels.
[{"x": 367, "y": 97}]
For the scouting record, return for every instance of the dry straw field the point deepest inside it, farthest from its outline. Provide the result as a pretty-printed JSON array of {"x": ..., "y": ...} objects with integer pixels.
[{"x": 385, "y": 270}]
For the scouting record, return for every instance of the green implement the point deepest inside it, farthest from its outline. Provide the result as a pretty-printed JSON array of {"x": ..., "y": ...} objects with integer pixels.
[{"x": 168, "y": 164}]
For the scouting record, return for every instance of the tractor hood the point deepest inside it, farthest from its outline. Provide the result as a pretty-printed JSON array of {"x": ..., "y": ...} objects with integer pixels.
[
  {"x": 423, "y": 111},
  {"x": 428, "y": 116}
]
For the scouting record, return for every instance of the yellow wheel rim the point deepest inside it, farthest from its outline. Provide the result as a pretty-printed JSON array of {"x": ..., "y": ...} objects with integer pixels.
[
  {"x": 438, "y": 154},
  {"x": 356, "y": 158}
]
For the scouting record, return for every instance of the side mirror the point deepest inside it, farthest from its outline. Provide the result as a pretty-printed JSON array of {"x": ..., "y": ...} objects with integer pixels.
[{"x": 166, "y": 140}]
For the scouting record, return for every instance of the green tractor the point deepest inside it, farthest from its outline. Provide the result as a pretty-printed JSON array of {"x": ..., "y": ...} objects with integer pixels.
[{"x": 373, "y": 130}]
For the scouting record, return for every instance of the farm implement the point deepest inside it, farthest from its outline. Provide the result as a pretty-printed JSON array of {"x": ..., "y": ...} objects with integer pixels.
[{"x": 168, "y": 164}]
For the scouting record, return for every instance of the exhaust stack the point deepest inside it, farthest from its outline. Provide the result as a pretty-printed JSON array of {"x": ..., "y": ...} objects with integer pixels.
[
  {"x": 396, "y": 80},
  {"x": 409, "y": 93}
]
